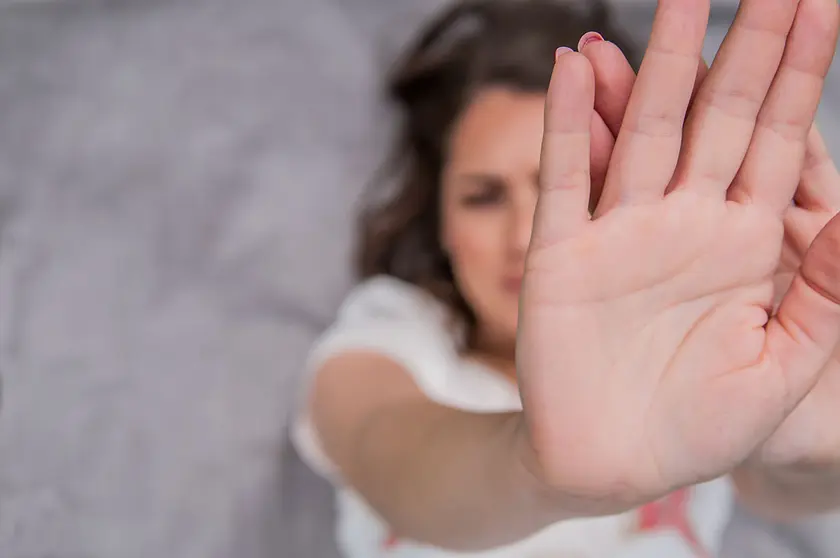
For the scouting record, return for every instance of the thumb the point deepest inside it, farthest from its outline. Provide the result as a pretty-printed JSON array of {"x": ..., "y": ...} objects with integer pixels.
[{"x": 803, "y": 334}]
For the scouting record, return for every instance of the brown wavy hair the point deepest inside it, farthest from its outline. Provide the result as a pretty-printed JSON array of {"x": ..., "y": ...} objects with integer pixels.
[{"x": 473, "y": 45}]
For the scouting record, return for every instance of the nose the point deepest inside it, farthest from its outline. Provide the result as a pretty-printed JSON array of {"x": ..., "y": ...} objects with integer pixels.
[{"x": 521, "y": 223}]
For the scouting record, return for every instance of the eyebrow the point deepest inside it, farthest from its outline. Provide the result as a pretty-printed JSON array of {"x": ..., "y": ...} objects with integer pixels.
[
  {"x": 485, "y": 179},
  {"x": 481, "y": 178}
]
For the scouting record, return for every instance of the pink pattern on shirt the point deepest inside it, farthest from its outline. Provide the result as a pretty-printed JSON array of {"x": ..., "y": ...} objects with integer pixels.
[{"x": 671, "y": 513}]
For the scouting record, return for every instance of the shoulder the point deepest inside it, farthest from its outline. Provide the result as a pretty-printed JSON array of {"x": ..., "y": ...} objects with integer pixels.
[
  {"x": 395, "y": 319},
  {"x": 388, "y": 318},
  {"x": 388, "y": 299}
]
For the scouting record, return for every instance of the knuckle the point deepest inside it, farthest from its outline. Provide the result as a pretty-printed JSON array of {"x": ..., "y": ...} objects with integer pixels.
[{"x": 656, "y": 124}]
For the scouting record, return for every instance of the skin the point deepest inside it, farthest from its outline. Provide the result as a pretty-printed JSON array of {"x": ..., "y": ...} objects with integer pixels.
[
  {"x": 488, "y": 198},
  {"x": 797, "y": 470},
  {"x": 650, "y": 321},
  {"x": 699, "y": 201}
]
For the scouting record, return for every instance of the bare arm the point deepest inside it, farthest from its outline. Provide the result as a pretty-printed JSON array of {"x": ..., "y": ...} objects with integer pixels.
[
  {"x": 787, "y": 495},
  {"x": 437, "y": 475}
]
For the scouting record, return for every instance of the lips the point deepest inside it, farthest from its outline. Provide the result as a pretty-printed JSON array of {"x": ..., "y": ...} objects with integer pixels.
[{"x": 513, "y": 284}]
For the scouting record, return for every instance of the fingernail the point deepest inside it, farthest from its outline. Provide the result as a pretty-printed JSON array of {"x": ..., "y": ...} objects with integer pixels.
[
  {"x": 560, "y": 52},
  {"x": 588, "y": 38}
]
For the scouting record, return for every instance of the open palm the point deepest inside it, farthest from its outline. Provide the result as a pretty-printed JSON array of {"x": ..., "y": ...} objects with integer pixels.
[
  {"x": 810, "y": 437},
  {"x": 646, "y": 357},
  {"x": 670, "y": 314}
]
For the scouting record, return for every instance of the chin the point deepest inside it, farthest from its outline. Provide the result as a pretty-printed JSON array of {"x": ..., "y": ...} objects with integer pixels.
[{"x": 508, "y": 325}]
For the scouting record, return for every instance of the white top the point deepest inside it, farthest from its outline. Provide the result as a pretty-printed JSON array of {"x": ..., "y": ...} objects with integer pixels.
[{"x": 400, "y": 321}]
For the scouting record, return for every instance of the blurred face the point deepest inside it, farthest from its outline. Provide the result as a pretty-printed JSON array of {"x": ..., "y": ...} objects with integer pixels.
[{"x": 489, "y": 193}]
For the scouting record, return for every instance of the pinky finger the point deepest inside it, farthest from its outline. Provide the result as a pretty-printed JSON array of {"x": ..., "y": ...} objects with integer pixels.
[{"x": 563, "y": 205}]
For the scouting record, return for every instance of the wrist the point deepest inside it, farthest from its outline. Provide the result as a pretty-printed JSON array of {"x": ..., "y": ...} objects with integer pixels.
[
  {"x": 554, "y": 501},
  {"x": 795, "y": 473},
  {"x": 784, "y": 493},
  {"x": 793, "y": 479},
  {"x": 529, "y": 478}
]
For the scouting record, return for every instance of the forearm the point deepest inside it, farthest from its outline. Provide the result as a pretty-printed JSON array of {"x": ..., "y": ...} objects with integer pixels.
[
  {"x": 449, "y": 478},
  {"x": 786, "y": 495}
]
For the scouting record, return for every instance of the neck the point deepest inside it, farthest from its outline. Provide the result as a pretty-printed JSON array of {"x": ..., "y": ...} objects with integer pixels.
[{"x": 497, "y": 351}]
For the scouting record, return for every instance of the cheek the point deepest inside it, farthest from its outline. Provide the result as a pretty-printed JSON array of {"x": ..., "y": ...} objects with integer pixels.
[{"x": 474, "y": 245}]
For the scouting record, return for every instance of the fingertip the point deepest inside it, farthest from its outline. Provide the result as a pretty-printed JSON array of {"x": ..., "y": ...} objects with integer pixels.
[
  {"x": 560, "y": 52},
  {"x": 815, "y": 29},
  {"x": 588, "y": 39},
  {"x": 593, "y": 49},
  {"x": 572, "y": 72},
  {"x": 564, "y": 180},
  {"x": 614, "y": 79},
  {"x": 607, "y": 58},
  {"x": 827, "y": 12},
  {"x": 579, "y": 65}
]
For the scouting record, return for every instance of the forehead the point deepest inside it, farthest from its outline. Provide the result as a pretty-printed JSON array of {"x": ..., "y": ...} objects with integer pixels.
[{"x": 499, "y": 129}]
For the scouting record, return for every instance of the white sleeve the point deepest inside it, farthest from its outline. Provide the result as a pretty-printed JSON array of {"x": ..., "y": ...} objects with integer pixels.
[{"x": 392, "y": 318}]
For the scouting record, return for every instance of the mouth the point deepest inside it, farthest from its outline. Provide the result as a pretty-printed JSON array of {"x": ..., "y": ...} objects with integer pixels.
[{"x": 512, "y": 285}]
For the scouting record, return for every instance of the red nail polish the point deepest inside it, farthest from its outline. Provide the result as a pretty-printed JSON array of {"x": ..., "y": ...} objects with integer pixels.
[
  {"x": 560, "y": 52},
  {"x": 589, "y": 38}
]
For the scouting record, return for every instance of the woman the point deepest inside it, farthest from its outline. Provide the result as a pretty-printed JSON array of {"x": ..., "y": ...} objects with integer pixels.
[{"x": 594, "y": 384}]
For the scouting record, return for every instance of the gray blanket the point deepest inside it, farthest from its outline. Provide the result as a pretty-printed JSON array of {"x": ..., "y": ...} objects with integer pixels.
[{"x": 177, "y": 186}]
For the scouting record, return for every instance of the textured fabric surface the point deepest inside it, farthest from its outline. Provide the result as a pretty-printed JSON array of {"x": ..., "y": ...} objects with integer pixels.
[{"x": 177, "y": 184}]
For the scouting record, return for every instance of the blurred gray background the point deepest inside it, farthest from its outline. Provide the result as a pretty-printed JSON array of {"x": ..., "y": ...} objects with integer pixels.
[{"x": 177, "y": 187}]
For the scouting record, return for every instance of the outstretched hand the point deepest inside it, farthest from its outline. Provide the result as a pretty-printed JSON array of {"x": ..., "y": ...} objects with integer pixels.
[
  {"x": 648, "y": 322},
  {"x": 809, "y": 439}
]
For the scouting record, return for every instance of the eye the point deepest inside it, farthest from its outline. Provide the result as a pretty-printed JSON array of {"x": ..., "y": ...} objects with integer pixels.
[{"x": 486, "y": 192}]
